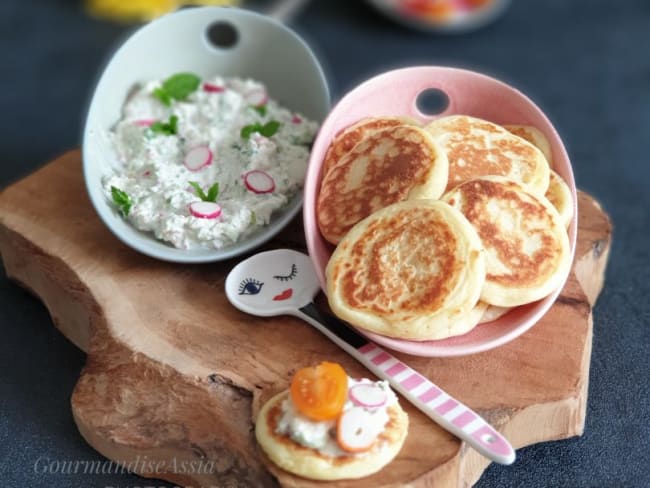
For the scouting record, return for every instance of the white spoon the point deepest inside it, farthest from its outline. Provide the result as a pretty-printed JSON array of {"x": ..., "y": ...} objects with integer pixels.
[{"x": 283, "y": 282}]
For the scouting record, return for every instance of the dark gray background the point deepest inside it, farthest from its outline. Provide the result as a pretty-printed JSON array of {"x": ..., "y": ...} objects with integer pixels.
[{"x": 585, "y": 62}]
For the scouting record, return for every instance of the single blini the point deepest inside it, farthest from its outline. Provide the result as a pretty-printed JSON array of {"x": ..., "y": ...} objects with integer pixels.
[
  {"x": 355, "y": 442},
  {"x": 526, "y": 243},
  {"x": 413, "y": 270},
  {"x": 476, "y": 148},
  {"x": 388, "y": 166},
  {"x": 535, "y": 137},
  {"x": 559, "y": 195},
  {"x": 351, "y": 136}
]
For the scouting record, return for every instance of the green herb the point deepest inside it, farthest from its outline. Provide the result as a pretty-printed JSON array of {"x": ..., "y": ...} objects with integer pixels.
[
  {"x": 267, "y": 130},
  {"x": 247, "y": 130},
  {"x": 270, "y": 128},
  {"x": 177, "y": 87},
  {"x": 211, "y": 196},
  {"x": 253, "y": 218},
  {"x": 122, "y": 200},
  {"x": 168, "y": 128},
  {"x": 162, "y": 95},
  {"x": 260, "y": 109}
]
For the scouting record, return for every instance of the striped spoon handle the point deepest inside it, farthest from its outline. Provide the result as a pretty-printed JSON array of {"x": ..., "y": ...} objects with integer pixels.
[{"x": 446, "y": 411}]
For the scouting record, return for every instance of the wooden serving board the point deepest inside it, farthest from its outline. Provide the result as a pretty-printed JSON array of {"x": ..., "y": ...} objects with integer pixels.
[{"x": 176, "y": 374}]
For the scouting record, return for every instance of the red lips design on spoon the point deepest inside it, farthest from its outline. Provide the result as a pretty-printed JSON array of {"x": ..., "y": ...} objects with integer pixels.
[{"x": 285, "y": 295}]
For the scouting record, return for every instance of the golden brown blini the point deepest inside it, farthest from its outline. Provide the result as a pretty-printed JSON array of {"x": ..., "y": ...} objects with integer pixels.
[
  {"x": 535, "y": 137},
  {"x": 351, "y": 136},
  {"x": 476, "y": 148},
  {"x": 388, "y": 166},
  {"x": 526, "y": 244},
  {"x": 310, "y": 463},
  {"x": 413, "y": 270}
]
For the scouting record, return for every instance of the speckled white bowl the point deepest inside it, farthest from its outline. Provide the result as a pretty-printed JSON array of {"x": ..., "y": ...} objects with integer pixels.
[{"x": 265, "y": 50}]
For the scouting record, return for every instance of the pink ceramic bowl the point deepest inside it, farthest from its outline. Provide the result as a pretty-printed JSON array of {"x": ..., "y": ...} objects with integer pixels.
[{"x": 469, "y": 93}]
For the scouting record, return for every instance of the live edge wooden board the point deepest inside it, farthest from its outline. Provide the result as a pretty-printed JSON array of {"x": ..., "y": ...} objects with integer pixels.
[{"x": 176, "y": 374}]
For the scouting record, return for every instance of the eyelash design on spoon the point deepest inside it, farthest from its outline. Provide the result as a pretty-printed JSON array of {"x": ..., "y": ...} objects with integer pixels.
[
  {"x": 250, "y": 286},
  {"x": 290, "y": 276}
]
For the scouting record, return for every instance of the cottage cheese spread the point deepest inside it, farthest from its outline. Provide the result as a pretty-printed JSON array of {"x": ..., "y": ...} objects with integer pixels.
[
  {"x": 320, "y": 435},
  {"x": 156, "y": 181}
]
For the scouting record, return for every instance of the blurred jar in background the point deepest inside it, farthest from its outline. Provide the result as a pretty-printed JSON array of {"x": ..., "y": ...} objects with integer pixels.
[{"x": 142, "y": 10}]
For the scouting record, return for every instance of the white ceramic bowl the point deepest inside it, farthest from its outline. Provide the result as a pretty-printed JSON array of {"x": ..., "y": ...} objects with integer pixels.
[{"x": 264, "y": 50}]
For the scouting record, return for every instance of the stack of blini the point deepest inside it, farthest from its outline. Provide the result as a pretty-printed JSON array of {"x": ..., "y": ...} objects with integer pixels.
[{"x": 442, "y": 227}]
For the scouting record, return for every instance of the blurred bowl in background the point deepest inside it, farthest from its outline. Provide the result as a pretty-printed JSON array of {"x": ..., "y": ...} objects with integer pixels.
[{"x": 443, "y": 16}]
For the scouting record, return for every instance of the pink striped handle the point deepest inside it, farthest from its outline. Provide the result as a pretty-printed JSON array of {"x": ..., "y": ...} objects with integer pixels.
[{"x": 449, "y": 413}]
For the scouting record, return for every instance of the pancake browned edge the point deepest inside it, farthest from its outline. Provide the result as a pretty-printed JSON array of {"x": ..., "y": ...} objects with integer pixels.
[
  {"x": 558, "y": 192},
  {"x": 559, "y": 195},
  {"x": 476, "y": 148},
  {"x": 351, "y": 136},
  {"x": 535, "y": 137},
  {"x": 413, "y": 270},
  {"x": 310, "y": 463},
  {"x": 527, "y": 248},
  {"x": 492, "y": 313},
  {"x": 388, "y": 166}
]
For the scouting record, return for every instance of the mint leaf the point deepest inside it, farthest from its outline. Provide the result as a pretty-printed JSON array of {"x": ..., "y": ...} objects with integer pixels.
[
  {"x": 212, "y": 194},
  {"x": 122, "y": 200},
  {"x": 163, "y": 96},
  {"x": 267, "y": 130},
  {"x": 248, "y": 130},
  {"x": 198, "y": 189},
  {"x": 260, "y": 110},
  {"x": 270, "y": 128},
  {"x": 168, "y": 128},
  {"x": 181, "y": 85},
  {"x": 173, "y": 124},
  {"x": 177, "y": 87}
]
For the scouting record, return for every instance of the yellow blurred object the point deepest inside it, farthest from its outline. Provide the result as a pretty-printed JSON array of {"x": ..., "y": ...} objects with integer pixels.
[{"x": 139, "y": 10}]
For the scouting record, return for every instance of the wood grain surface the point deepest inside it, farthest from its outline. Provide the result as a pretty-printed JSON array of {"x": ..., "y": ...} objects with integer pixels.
[{"x": 176, "y": 374}]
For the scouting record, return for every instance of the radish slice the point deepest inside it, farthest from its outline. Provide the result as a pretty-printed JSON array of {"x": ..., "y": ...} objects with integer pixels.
[
  {"x": 197, "y": 158},
  {"x": 368, "y": 395},
  {"x": 257, "y": 98},
  {"x": 205, "y": 210},
  {"x": 210, "y": 88},
  {"x": 259, "y": 181},
  {"x": 353, "y": 431},
  {"x": 144, "y": 122},
  {"x": 296, "y": 119}
]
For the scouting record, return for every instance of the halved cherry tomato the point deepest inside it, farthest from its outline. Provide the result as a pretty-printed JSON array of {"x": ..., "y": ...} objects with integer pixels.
[{"x": 319, "y": 392}]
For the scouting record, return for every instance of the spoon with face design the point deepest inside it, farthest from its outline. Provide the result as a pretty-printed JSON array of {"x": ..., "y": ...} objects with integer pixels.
[{"x": 284, "y": 282}]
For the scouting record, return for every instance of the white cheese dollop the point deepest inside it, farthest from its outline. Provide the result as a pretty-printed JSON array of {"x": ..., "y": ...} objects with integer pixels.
[
  {"x": 154, "y": 177},
  {"x": 321, "y": 435}
]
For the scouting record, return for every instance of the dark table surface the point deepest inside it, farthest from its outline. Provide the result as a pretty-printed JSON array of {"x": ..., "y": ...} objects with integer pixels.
[{"x": 585, "y": 62}]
